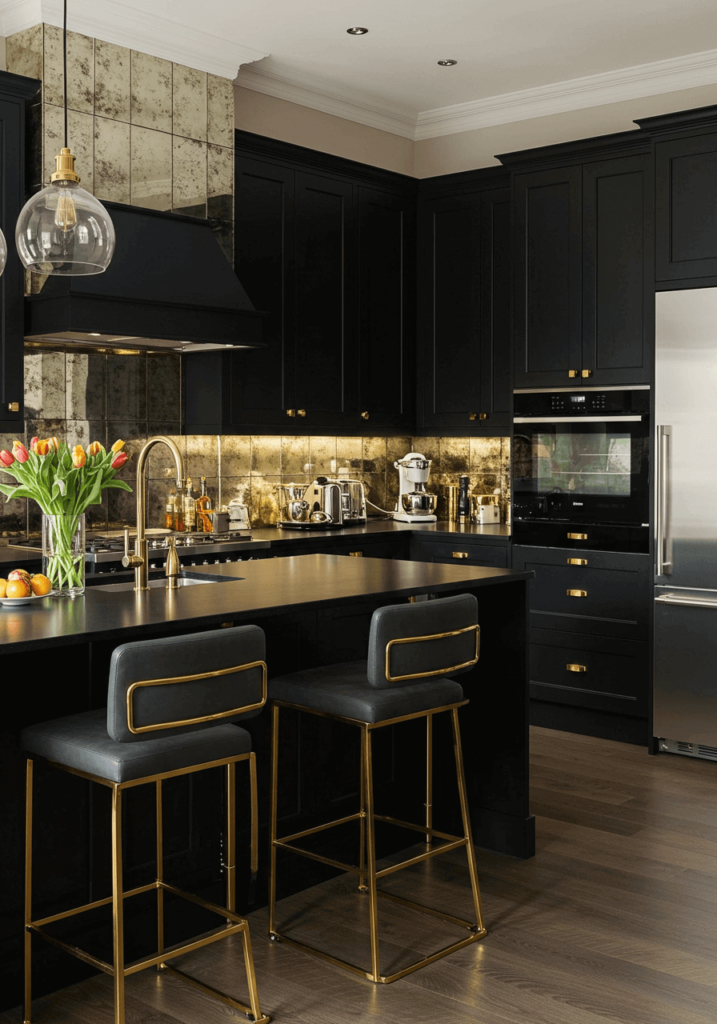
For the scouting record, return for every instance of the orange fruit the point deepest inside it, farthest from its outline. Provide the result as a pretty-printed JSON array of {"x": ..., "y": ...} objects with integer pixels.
[
  {"x": 3, "y": 585},
  {"x": 18, "y": 588},
  {"x": 40, "y": 584}
]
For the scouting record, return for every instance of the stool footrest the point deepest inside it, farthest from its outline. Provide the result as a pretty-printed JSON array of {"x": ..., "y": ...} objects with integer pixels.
[
  {"x": 318, "y": 856},
  {"x": 209, "y": 990},
  {"x": 426, "y": 855},
  {"x": 101, "y": 965},
  {"x": 415, "y": 828},
  {"x": 429, "y": 910},
  {"x": 322, "y": 828},
  {"x": 92, "y": 906}
]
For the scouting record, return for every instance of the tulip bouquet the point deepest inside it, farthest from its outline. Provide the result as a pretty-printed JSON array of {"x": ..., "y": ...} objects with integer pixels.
[{"x": 63, "y": 481}]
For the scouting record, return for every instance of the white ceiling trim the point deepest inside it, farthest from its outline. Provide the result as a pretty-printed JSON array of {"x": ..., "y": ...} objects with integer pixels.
[
  {"x": 672, "y": 75},
  {"x": 260, "y": 80},
  {"x": 134, "y": 28}
]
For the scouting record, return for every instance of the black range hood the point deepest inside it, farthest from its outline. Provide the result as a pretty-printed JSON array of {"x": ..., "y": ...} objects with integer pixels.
[{"x": 169, "y": 286}]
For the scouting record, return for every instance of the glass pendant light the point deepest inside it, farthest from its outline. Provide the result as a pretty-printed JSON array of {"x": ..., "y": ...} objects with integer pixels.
[{"x": 63, "y": 229}]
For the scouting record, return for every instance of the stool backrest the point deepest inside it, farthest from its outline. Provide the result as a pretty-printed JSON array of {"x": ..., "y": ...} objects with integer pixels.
[
  {"x": 410, "y": 643},
  {"x": 179, "y": 684}
]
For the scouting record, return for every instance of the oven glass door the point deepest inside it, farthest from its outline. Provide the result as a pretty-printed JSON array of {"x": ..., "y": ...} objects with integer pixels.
[{"x": 581, "y": 469}]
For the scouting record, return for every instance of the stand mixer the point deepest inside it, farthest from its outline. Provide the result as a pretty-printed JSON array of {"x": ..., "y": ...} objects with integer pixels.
[{"x": 415, "y": 503}]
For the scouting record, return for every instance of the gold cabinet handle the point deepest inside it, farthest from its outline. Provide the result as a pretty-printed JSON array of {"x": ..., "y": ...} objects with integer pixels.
[
  {"x": 576, "y": 668},
  {"x": 472, "y": 415},
  {"x": 477, "y": 415},
  {"x": 577, "y": 561},
  {"x": 460, "y": 554},
  {"x": 356, "y": 554},
  {"x": 364, "y": 415},
  {"x": 572, "y": 373},
  {"x": 482, "y": 415},
  {"x": 576, "y": 593},
  {"x": 586, "y": 373},
  {"x": 13, "y": 407},
  {"x": 577, "y": 536},
  {"x": 301, "y": 412},
  {"x": 291, "y": 412}
]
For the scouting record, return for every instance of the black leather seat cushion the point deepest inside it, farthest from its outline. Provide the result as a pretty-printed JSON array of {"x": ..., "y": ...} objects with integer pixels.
[
  {"x": 82, "y": 742},
  {"x": 344, "y": 690}
]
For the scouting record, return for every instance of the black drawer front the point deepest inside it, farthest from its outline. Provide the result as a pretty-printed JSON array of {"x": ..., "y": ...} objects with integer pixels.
[
  {"x": 457, "y": 552},
  {"x": 607, "y": 675}
]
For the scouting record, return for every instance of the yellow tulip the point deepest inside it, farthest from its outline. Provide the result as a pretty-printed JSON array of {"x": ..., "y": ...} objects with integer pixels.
[
  {"x": 118, "y": 446},
  {"x": 78, "y": 456},
  {"x": 95, "y": 448}
]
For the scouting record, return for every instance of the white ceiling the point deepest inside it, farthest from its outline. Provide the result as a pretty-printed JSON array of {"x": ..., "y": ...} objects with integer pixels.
[{"x": 516, "y": 58}]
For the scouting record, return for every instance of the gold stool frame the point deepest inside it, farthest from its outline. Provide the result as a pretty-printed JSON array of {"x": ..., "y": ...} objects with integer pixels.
[
  {"x": 368, "y": 876},
  {"x": 119, "y": 970}
]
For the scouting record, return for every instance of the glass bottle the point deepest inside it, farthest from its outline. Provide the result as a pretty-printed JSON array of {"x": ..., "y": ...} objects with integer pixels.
[
  {"x": 464, "y": 501},
  {"x": 170, "y": 511},
  {"x": 190, "y": 516},
  {"x": 203, "y": 507}
]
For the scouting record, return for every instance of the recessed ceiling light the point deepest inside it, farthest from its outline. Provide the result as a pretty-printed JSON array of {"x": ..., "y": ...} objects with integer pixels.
[
  {"x": 447, "y": 63},
  {"x": 357, "y": 31}
]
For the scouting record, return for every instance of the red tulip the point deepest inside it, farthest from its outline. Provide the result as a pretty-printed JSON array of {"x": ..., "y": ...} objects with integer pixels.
[
  {"x": 33, "y": 444},
  {"x": 120, "y": 460},
  {"x": 6, "y": 458},
  {"x": 78, "y": 456},
  {"x": 20, "y": 451}
]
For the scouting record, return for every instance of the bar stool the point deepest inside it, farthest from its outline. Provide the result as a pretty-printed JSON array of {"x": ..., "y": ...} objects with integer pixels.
[
  {"x": 169, "y": 711},
  {"x": 412, "y": 648}
]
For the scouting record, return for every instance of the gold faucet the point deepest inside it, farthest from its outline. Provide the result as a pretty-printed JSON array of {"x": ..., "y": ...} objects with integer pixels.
[{"x": 139, "y": 561}]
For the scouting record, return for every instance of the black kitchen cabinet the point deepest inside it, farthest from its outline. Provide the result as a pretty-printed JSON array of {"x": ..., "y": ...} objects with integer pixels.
[
  {"x": 461, "y": 550},
  {"x": 589, "y": 629},
  {"x": 685, "y": 196},
  {"x": 15, "y": 92},
  {"x": 464, "y": 311},
  {"x": 583, "y": 307},
  {"x": 325, "y": 248}
]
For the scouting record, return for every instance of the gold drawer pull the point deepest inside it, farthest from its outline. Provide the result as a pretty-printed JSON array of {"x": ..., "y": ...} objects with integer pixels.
[
  {"x": 460, "y": 554},
  {"x": 577, "y": 536},
  {"x": 477, "y": 415},
  {"x": 576, "y": 593},
  {"x": 577, "y": 561},
  {"x": 301, "y": 412},
  {"x": 291, "y": 412},
  {"x": 356, "y": 554},
  {"x": 586, "y": 373},
  {"x": 572, "y": 373},
  {"x": 576, "y": 668},
  {"x": 13, "y": 407},
  {"x": 364, "y": 415},
  {"x": 472, "y": 415}
]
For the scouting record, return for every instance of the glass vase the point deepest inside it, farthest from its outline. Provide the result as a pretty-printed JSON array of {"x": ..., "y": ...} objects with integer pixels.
[{"x": 63, "y": 553}]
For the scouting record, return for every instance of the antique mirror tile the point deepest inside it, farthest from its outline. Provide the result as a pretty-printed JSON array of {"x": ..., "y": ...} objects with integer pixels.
[
  {"x": 265, "y": 456},
  {"x": 151, "y": 93},
  {"x": 189, "y": 103},
  {"x": 374, "y": 454},
  {"x": 455, "y": 455},
  {"x": 85, "y": 386},
  {"x": 189, "y": 177},
  {"x": 202, "y": 458},
  {"x": 112, "y": 81},
  {"x": 80, "y": 137},
  {"x": 220, "y": 172},
  {"x": 80, "y": 72},
  {"x": 322, "y": 452},
  {"x": 164, "y": 391},
  {"x": 112, "y": 160},
  {"x": 264, "y": 507},
  {"x": 45, "y": 386},
  {"x": 294, "y": 456},
  {"x": 235, "y": 455},
  {"x": 52, "y": 84},
  {"x": 220, "y": 110},
  {"x": 24, "y": 52},
  {"x": 151, "y": 168},
  {"x": 127, "y": 388}
]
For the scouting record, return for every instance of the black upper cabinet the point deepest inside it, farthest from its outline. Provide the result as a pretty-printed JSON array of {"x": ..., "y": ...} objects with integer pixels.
[
  {"x": 583, "y": 274},
  {"x": 14, "y": 92},
  {"x": 464, "y": 312},
  {"x": 325, "y": 248},
  {"x": 686, "y": 209}
]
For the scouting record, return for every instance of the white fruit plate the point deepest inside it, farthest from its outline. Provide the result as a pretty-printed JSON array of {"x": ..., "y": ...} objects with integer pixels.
[{"x": 13, "y": 602}]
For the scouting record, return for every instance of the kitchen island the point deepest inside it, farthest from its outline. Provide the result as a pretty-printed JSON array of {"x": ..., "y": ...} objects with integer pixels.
[{"x": 315, "y": 609}]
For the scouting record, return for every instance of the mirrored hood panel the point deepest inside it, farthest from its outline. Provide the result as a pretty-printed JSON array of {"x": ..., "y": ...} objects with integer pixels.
[{"x": 169, "y": 286}]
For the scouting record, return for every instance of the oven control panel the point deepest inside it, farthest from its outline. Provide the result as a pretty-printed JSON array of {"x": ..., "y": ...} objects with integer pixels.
[{"x": 588, "y": 402}]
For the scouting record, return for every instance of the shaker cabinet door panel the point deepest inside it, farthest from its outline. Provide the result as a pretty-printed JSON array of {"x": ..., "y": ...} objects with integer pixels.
[
  {"x": 686, "y": 208},
  {"x": 548, "y": 265}
]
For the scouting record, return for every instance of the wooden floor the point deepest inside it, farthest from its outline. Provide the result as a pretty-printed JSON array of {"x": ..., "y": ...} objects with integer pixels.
[{"x": 615, "y": 919}]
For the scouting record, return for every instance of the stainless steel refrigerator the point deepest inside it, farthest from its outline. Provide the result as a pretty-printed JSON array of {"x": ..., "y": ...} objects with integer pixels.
[{"x": 685, "y": 653}]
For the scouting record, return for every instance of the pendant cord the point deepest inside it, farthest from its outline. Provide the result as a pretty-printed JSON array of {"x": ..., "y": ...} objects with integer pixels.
[{"x": 64, "y": 61}]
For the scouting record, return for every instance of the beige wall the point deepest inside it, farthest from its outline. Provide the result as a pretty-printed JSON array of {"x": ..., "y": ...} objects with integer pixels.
[
  {"x": 3, "y": 54},
  {"x": 290, "y": 122}
]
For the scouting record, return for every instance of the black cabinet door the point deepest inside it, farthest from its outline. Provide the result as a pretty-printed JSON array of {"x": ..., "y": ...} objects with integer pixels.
[
  {"x": 548, "y": 277},
  {"x": 618, "y": 292},
  {"x": 11, "y": 282},
  {"x": 686, "y": 208},
  {"x": 464, "y": 313},
  {"x": 326, "y": 353},
  {"x": 385, "y": 326},
  {"x": 261, "y": 384}
]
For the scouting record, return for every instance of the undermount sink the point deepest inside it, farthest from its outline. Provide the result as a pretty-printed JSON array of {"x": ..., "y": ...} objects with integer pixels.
[{"x": 162, "y": 583}]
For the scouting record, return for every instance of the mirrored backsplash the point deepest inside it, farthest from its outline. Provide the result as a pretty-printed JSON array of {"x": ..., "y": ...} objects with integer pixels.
[{"x": 85, "y": 397}]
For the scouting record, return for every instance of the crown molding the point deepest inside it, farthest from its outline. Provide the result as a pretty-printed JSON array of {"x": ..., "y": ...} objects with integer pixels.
[
  {"x": 693, "y": 70},
  {"x": 134, "y": 28},
  {"x": 305, "y": 94}
]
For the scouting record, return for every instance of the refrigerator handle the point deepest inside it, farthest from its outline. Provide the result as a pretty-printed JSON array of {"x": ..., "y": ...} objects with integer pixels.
[
  {"x": 663, "y": 545},
  {"x": 689, "y": 602}
]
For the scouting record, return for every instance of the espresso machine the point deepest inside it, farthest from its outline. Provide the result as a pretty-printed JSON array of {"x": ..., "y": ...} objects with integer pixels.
[{"x": 415, "y": 503}]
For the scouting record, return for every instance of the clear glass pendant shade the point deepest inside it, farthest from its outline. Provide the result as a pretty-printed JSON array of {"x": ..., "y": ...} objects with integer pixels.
[
  {"x": 3, "y": 252},
  {"x": 64, "y": 230}
]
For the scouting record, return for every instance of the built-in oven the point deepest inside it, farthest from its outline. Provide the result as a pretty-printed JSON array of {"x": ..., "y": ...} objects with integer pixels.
[{"x": 580, "y": 468}]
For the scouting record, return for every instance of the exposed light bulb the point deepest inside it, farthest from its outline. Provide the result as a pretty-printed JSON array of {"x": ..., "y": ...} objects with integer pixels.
[{"x": 66, "y": 213}]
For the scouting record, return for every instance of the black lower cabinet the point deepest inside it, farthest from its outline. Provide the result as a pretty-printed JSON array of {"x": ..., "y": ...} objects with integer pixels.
[
  {"x": 461, "y": 550},
  {"x": 588, "y": 640}
]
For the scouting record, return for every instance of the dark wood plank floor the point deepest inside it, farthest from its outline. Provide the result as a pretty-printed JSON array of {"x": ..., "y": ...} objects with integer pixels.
[{"x": 615, "y": 919}]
